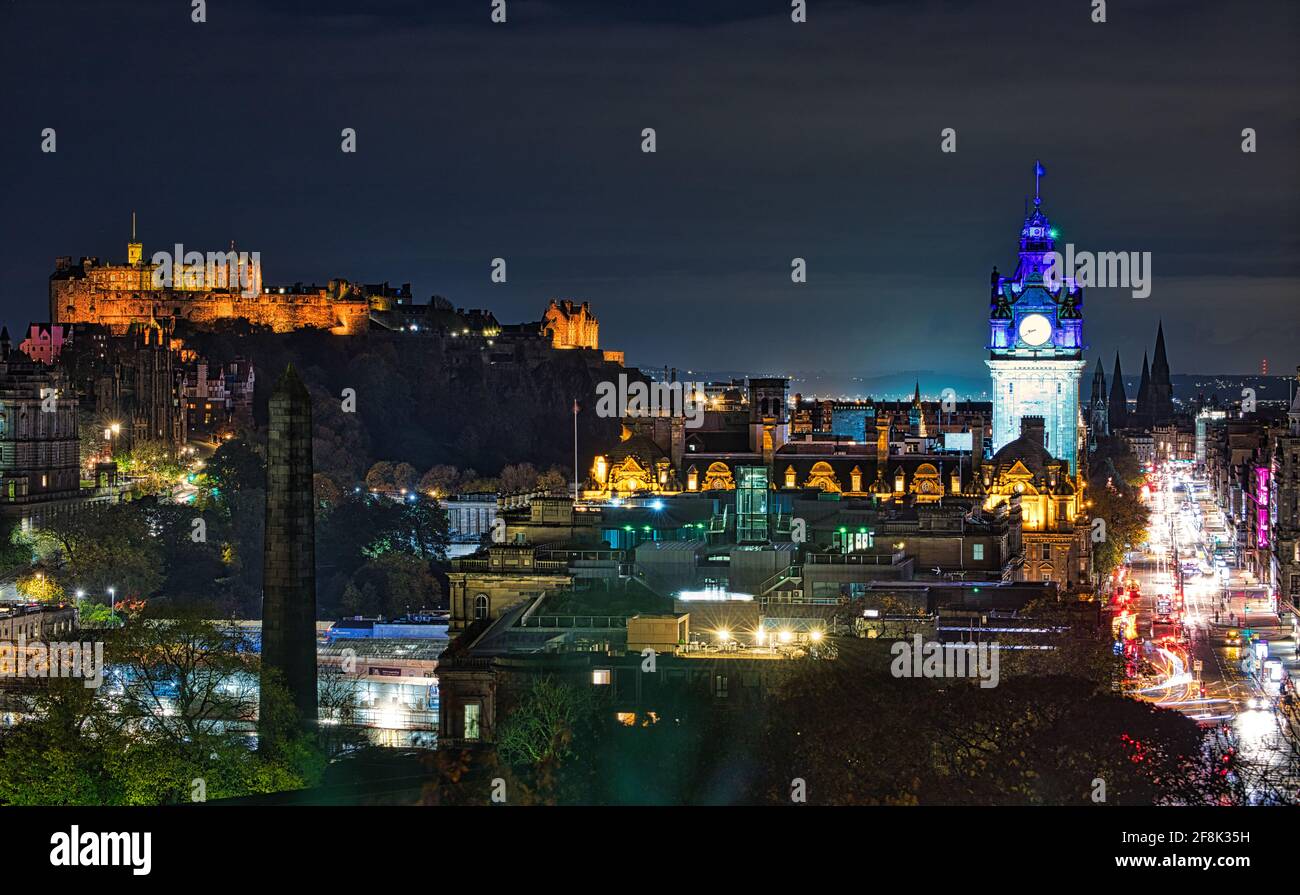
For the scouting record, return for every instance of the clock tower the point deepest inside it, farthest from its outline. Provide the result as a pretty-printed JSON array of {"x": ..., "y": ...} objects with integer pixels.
[{"x": 1036, "y": 344}]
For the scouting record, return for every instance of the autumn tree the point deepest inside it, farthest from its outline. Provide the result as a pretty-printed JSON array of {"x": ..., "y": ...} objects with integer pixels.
[
  {"x": 405, "y": 477},
  {"x": 380, "y": 477},
  {"x": 518, "y": 477},
  {"x": 440, "y": 481},
  {"x": 106, "y": 545}
]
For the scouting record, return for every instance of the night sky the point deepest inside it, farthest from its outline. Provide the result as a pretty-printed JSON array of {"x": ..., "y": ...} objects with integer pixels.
[{"x": 775, "y": 140}]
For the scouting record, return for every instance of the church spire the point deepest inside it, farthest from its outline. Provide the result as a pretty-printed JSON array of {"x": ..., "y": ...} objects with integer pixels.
[
  {"x": 1162, "y": 388},
  {"x": 1098, "y": 419},
  {"x": 1117, "y": 412},
  {"x": 1098, "y": 383},
  {"x": 1144, "y": 394}
]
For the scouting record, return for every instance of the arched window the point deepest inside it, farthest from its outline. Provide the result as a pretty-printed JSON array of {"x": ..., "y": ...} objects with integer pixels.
[{"x": 480, "y": 607}]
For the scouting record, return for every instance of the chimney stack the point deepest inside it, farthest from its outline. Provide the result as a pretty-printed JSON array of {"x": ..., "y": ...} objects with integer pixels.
[{"x": 1034, "y": 428}]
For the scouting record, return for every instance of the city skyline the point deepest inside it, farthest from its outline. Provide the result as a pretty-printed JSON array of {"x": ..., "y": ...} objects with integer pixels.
[
  {"x": 716, "y": 403},
  {"x": 754, "y": 167}
]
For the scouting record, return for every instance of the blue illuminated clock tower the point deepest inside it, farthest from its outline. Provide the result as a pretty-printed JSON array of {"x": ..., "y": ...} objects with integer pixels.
[{"x": 1036, "y": 343}]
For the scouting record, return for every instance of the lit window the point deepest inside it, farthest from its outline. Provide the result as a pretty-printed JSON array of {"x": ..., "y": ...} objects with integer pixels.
[
  {"x": 481, "y": 606},
  {"x": 471, "y": 721},
  {"x": 720, "y": 686},
  {"x": 600, "y": 676},
  {"x": 977, "y": 551}
]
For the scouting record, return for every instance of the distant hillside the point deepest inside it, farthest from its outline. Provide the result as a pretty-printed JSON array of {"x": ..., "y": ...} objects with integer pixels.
[{"x": 421, "y": 401}]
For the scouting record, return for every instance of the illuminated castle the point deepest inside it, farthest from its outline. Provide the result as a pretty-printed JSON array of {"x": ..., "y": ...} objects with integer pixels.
[
  {"x": 224, "y": 286},
  {"x": 570, "y": 326},
  {"x": 574, "y": 326}
]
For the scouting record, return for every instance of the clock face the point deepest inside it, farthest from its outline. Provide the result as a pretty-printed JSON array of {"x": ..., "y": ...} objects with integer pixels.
[{"x": 1035, "y": 329}]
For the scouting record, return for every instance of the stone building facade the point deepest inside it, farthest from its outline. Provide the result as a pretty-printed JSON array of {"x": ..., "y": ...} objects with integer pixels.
[
  {"x": 570, "y": 325},
  {"x": 39, "y": 460},
  {"x": 574, "y": 326},
  {"x": 134, "y": 381}
]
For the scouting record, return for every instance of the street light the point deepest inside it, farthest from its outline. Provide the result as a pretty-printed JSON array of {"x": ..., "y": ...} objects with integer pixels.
[{"x": 112, "y": 601}]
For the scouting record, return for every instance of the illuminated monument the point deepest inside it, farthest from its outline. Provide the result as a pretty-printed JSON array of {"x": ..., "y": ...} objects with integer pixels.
[{"x": 1036, "y": 345}]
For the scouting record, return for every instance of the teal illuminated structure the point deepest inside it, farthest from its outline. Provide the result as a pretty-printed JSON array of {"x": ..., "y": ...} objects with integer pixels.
[
  {"x": 751, "y": 504},
  {"x": 1036, "y": 344}
]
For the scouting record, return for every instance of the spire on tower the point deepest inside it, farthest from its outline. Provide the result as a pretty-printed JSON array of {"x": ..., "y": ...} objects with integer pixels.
[
  {"x": 1098, "y": 383},
  {"x": 1117, "y": 411},
  {"x": 1144, "y": 394},
  {"x": 1098, "y": 418},
  {"x": 1162, "y": 388}
]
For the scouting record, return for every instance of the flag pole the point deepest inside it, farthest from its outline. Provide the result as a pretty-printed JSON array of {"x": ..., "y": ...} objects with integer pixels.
[{"x": 575, "y": 452}]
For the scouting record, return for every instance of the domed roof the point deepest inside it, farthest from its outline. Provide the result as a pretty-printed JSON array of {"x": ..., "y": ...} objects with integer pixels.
[
  {"x": 1029, "y": 450},
  {"x": 639, "y": 446}
]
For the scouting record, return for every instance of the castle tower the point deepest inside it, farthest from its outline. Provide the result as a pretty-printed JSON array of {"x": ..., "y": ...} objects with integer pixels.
[
  {"x": 134, "y": 249},
  {"x": 1117, "y": 412},
  {"x": 289, "y": 577},
  {"x": 570, "y": 325},
  {"x": 1036, "y": 344}
]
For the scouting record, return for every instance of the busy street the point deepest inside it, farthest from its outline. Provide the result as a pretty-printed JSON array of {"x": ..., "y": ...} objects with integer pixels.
[{"x": 1201, "y": 635}]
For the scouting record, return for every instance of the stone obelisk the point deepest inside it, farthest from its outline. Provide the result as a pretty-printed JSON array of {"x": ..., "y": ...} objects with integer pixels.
[{"x": 289, "y": 576}]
